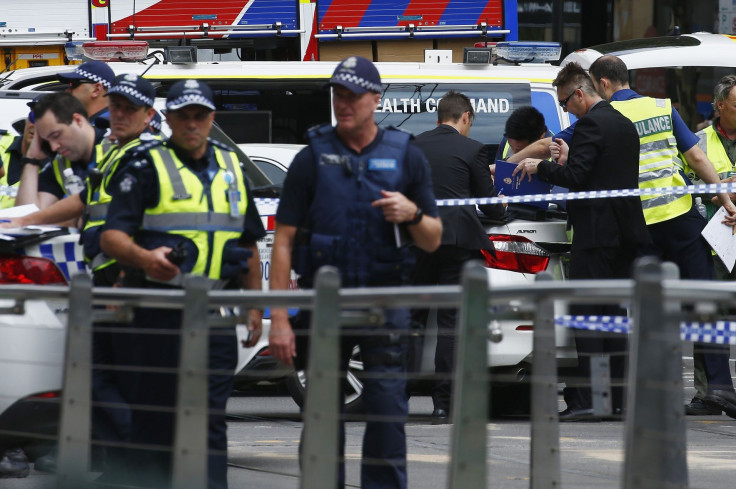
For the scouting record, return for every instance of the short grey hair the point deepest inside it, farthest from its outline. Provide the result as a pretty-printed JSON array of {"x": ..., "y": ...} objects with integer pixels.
[{"x": 723, "y": 88}]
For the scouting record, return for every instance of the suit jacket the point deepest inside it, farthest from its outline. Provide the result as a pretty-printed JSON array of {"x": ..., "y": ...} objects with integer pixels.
[
  {"x": 604, "y": 155},
  {"x": 459, "y": 168}
]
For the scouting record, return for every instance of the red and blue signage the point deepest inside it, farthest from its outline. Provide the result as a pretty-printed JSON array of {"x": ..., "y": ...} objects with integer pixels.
[
  {"x": 191, "y": 14},
  {"x": 382, "y": 14}
]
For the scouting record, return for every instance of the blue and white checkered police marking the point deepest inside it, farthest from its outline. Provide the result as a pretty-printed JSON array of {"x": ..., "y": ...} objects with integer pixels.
[
  {"x": 64, "y": 250},
  {"x": 719, "y": 332}
]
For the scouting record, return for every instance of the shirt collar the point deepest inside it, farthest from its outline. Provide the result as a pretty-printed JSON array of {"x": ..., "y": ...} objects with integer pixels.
[{"x": 624, "y": 94}]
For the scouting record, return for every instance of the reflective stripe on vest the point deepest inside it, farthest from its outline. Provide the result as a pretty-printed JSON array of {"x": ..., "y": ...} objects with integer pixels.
[
  {"x": 711, "y": 145},
  {"x": 658, "y": 160},
  {"x": 185, "y": 210}
]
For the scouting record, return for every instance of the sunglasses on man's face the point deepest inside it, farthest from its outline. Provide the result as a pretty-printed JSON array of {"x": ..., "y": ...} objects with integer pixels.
[{"x": 76, "y": 82}]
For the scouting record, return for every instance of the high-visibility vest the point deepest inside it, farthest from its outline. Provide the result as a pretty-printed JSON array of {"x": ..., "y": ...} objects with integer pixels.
[
  {"x": 188, "y": 209},
  {"x": 6, "y": 141},
  {"x": 711, "y": 145},
  {"x": 658, "y": 160}
]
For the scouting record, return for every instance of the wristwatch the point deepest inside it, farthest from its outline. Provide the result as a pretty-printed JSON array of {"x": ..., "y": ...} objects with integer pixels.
[
  {"x": 417, "y": 217},
  {"x": 31, "y": 161}
]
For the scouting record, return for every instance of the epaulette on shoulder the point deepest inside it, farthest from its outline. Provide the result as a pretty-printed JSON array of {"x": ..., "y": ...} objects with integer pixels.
[
  {"x": 394, "y": 128},
  {"x": 145, "y": 146},
  {"x": 320, "y": 130},
  {"x": 3, "y": 132},
  {"x": 220, "y": 145}
]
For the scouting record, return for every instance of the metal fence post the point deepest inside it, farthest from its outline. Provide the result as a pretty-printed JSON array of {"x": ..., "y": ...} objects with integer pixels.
[
  {"x": 321, "y": 413},
  {"x": 545, "y": 443},
  {"x": 190, "y": 436},
  {"x": 74, "y": 430},
  {"x": 656, "y": 447},
  {"x": 470, "y": 391}
]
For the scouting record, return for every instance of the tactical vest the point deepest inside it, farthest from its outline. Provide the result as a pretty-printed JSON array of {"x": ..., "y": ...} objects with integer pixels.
[
  {"x": 710, "y": 143},
  {"x": 6, "y": 141},
  {"x": 658, "y": 160},
  {"x": 346, "y": 231},
  {"x": 188, "y": 212},
  {"x": 98, "y": 201}
]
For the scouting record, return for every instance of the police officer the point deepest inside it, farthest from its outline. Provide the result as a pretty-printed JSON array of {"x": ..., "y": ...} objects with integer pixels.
[
  {"x": 673, "y": 222},
  {"x": 89, "y": 82},
  {"x": 62, "y": 128},
  {"x": 130, "y": 114},
  {"x": 348, "y": 189},
  {"x": 189, "y": 194},
  {"x": 718, "y": 142}
]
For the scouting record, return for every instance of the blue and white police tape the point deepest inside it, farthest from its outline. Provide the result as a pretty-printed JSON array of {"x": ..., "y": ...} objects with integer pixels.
[
  {"x": 719, "y": 332},
  {"x": 711, "y": 188}
]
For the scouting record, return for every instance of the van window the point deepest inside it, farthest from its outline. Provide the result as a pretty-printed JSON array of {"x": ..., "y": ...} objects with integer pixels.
[{"x": 413, "y": 106}]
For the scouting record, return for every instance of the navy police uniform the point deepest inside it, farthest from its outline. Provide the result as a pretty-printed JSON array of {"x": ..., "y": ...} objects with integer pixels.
[
  {"x": 328, "y": 191},
  {"x": 140, "y": 192}
]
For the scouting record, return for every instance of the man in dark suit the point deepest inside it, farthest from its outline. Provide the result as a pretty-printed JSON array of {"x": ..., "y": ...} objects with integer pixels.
[
  {"x": 608, "y": 233},
  {"x": 459, "y": 170}
]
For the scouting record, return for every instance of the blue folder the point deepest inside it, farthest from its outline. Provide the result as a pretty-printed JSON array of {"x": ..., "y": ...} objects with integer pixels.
[{"x": 507, "y": 184}]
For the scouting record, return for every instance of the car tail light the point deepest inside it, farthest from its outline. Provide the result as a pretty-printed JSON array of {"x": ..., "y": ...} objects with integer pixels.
[
  {"x": 29, "y": 270},
  {"x": 46, "y": 395},
  {"x": 516, "y": 253}
]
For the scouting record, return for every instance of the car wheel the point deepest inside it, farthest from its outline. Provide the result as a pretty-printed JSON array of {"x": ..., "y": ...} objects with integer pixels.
[{"x": 296, "y": 384}]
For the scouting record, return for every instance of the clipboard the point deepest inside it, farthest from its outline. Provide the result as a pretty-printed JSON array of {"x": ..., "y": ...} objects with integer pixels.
[{"x": 507, "y": 184}]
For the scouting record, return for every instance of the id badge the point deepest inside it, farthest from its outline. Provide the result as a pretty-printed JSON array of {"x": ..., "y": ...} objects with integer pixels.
[{"x": 233, "y": 194}]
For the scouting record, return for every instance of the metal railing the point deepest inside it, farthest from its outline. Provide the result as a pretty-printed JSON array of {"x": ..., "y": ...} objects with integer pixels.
[{"x": 655, "y": 443}]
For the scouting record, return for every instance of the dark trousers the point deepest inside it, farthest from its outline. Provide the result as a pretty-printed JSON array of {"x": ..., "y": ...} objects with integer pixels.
[
  {"x": 599, "y": 263},
  {"x": 679, "y": 240},
  {"x": 111, "y": 420},
  {"x": 383, "y": 465},
  {"x": 443, "y": 267},
  {"x": 151, "y": 466}
]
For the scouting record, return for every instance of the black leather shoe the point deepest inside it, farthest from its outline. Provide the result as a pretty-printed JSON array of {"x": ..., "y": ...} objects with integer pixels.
[
  {"x": 47, "y": 463},
  {"x": 697, "y": 407},
  {"x": 725, "y": 400},
  {"x": 14, "y": 464},
  {"x": 440, "y": 416},
  {"x": 578, "y": 414}
]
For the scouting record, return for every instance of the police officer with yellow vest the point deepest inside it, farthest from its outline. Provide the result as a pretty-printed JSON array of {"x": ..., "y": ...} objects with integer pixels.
[
  {"x": 187, "y": 194},
  {"x": 672, "y": 220},
  {"x": 62, "y": 129},
  {"x": 131, "y": 101},
  {"x": 12, "y": 149}
]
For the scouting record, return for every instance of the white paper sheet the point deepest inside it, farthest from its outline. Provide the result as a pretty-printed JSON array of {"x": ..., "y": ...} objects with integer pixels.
[{"x": 721, "y": 238}]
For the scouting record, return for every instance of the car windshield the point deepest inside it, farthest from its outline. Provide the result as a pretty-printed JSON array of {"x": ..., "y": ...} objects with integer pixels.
[{"x": 649, "y": 43}]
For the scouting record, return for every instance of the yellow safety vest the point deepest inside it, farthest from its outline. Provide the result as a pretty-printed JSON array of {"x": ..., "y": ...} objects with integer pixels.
[
  {"x": 184, "y": 209},
  {"x": 5, "y": 142},
  {"x": 711, "y": 145},
  {"x": 60, "y": 163},
  {"x": 658, "y": 160},
  {"x": 98, "y": 199},
  {"x": 506, "y": 151}
]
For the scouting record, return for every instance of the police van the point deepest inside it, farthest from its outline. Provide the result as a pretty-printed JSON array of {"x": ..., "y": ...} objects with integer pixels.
[{"x": 274, "y": 103}]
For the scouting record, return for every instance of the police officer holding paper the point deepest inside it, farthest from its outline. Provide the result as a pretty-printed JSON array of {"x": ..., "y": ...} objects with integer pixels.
[
  {"x": 348, "y": 189},
  {"x": 187, "y": 194}
]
